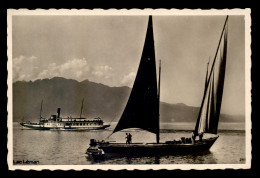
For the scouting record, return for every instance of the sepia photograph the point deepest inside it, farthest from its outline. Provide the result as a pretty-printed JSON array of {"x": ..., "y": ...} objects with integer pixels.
[{"x": 129, "y": 89}]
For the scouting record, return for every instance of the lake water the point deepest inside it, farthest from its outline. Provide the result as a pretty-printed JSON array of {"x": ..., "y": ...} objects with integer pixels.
[{"x": 69, "y": 147}]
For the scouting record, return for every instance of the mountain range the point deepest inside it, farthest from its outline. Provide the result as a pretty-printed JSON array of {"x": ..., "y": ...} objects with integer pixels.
[{"x": 99, "y": 101}]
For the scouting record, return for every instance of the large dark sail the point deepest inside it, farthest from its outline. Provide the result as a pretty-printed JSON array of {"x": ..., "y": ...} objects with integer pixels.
[
  {"x": 141, "y": 110},
  {"x": 209, "y": 113}
]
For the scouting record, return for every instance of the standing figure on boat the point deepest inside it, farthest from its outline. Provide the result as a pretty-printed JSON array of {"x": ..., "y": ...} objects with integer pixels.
[
  {"x": 193, "y": 137},
  {"x": 200, "y": 137},
  {"x": 127, "y": 138},
  {"x": 130, "y": 138}
]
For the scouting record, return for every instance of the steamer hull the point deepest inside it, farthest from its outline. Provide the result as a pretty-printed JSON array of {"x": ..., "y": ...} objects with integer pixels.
[{"x": 61, "y": 126}]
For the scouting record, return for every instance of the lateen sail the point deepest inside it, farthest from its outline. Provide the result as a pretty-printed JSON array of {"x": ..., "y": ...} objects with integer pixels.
[
  {"x": 141, "y": 110},
  {"x": 208, "y": 117}
]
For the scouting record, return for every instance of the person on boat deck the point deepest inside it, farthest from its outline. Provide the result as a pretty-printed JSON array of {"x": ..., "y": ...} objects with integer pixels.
[
  {"x": 200, "y": 137},
  {"x": 130, "y": 138},
  {"x": 193, "y": 137},
  {"x": 127, "y": 138}
]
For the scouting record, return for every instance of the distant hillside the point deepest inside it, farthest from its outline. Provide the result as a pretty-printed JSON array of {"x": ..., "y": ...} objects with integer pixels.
[
  {"x": 182, "y": 113},
  {"x": 99, "y": 101}
]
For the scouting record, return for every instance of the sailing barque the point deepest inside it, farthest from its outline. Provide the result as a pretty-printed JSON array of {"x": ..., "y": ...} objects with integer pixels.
[{"x": 142, "y": 109}]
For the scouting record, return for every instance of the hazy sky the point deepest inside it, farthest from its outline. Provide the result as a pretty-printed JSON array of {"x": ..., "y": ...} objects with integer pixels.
[{"x": 107, "y": 49}]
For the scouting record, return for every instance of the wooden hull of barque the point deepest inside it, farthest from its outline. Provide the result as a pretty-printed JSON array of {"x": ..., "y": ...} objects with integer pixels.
[{"x": 157, "y": 149}]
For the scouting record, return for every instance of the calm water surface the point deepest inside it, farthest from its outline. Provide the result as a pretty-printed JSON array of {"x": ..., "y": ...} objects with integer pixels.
[{"x": 69, "y": 147}]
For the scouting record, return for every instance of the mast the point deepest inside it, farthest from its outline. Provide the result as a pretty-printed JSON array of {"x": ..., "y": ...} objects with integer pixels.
[
  {"x": 81, "y": 108},
  {"x": 206, "y": 80},
  {"x": 159, "y": 84},
  {"x": 207, "y": 74},
  {"x": 41, "y": 111}
]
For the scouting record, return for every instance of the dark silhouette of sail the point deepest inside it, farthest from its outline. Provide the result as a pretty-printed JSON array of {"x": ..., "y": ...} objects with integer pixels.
[
  {"x": 209, "y": 113},
  {"x": 141, "y": 110}
]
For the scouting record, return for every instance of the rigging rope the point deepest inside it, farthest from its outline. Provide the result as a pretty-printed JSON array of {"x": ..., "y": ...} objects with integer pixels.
[
  {"x": 110, "y": 124},
  {"x": 113, "y": 119}
]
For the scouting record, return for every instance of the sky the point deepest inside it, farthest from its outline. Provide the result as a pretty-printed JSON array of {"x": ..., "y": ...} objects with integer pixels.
[{"x": 107, "y": 49}]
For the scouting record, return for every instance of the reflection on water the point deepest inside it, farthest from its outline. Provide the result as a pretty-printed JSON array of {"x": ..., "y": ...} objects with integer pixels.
[
  {"x": 69, "y": 147},
  {"x": 205, "y": 157}
]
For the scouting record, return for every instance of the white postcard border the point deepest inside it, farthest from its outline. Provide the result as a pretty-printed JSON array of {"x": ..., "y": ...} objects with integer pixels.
[{"x": 176, "y": 12}]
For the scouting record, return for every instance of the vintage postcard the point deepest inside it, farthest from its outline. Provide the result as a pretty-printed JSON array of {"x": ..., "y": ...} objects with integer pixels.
[{"x": 129, "y": 89}]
